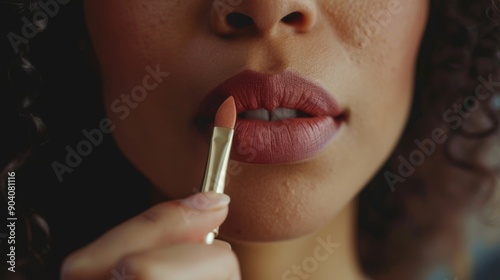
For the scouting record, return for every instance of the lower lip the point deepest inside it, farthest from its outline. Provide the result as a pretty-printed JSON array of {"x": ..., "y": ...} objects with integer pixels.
[{"x": 284, "y": 141}]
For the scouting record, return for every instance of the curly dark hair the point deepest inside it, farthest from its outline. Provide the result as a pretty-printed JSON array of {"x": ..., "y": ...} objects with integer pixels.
[
  {"x": 397, "y": 214},
  {"x": 459, "y": 52}
]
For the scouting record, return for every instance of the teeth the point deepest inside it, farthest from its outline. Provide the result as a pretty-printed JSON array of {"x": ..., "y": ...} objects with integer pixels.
[
  {"x": 260, "y": 114},
  {"x": 283, "y": 113},
  {"x": 277, "y": 114}
]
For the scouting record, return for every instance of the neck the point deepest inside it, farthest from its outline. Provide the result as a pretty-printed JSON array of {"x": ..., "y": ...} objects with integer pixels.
[{"x": 329, "y": 253}]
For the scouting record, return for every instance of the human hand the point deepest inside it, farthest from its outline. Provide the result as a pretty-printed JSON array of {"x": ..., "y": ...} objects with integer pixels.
[{"x": 164, "y": 242}]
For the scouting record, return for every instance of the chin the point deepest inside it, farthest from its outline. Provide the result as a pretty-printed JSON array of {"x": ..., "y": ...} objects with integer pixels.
[{"x": 277, "y": 203}]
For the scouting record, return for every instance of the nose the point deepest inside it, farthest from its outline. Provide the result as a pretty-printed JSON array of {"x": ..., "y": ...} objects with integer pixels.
[{"x": 232, "y": 18}]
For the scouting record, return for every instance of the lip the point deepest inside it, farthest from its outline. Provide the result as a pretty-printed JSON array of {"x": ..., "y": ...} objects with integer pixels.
[{"x": 280, "y": 141}]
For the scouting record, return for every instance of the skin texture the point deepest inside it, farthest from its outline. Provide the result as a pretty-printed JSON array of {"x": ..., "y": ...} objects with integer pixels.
[{"x": 370, "y": 74}]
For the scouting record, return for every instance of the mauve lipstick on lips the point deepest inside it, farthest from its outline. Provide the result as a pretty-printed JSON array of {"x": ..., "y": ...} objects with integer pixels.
[{"x": 282, "y": 118}]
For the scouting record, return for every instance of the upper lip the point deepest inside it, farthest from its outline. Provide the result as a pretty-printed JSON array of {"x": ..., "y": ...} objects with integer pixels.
[{"x": 252, "y": 90}]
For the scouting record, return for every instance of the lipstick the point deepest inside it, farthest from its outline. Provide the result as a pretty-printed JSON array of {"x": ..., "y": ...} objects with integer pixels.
[{"x": 218, "y": 155}]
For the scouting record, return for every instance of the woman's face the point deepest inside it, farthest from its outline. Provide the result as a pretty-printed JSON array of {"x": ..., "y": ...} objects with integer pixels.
[{"x": 160, "y": 59}]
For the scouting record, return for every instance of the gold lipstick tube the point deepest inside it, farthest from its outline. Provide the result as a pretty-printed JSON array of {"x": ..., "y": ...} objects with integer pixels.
[{"x": 215, "y": 173}]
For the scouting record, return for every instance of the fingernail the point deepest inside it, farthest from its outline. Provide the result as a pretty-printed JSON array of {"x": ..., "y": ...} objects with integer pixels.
[
  {"x": 206, "y": 201},
  {"x": 222, "y": 244}
]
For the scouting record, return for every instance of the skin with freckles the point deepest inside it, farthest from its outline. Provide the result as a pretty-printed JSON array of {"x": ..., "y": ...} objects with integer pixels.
[{"x": 362, "y": 52}]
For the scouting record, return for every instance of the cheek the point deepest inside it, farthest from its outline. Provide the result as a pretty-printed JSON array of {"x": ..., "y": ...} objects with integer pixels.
[
  {"x": 128, "y": 35},
  {"x": 107, "y": 22},
  {"x": 390, "y": 39}
]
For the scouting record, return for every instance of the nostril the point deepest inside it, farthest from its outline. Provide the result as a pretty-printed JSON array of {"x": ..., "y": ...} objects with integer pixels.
[
  {"x": 293, "y": 18},
  {"x": 237, "y": 20}
]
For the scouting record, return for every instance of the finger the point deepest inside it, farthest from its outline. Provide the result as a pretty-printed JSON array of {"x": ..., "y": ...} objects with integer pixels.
[
  {"x": 187, "y": 261},
  {"x": 187, "y": 220}
]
